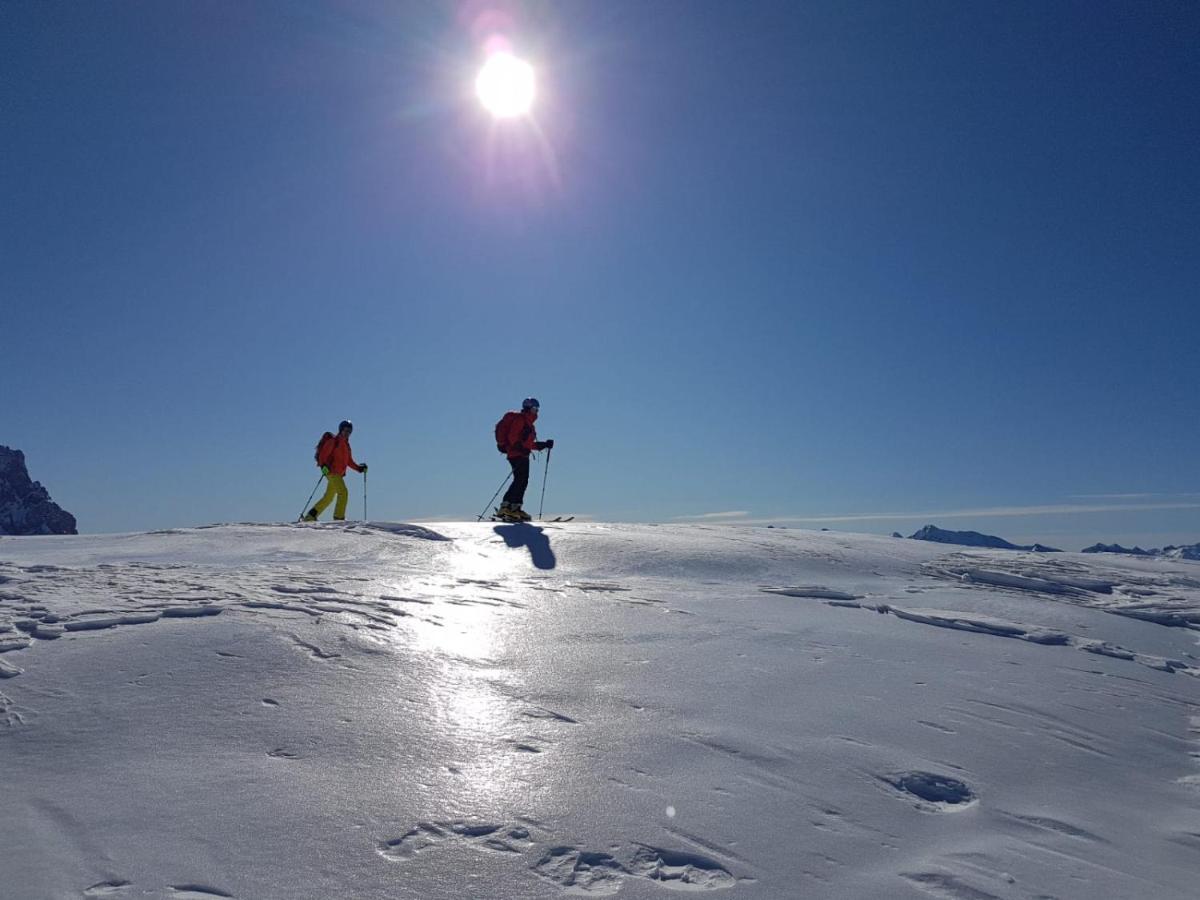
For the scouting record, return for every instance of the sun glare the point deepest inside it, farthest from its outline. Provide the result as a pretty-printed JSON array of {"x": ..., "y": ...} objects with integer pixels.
[{"x": 505, "y": 86}]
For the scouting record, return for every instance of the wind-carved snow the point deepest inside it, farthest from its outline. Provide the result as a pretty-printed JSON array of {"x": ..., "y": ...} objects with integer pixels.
[
  {"x": 448, "y": 711},
  {"x": 813, "y": 591},
  {"x": 1166, "y": 594},
  {"x": 964, "y": 621},
  {"x": 1167, "y": 597}
]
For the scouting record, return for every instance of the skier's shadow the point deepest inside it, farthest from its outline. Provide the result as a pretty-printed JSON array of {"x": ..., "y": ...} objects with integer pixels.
[{"x": 522, "y": 535}]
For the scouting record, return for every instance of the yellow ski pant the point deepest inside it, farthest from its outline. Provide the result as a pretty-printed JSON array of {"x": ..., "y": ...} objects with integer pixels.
[{"x": 335, "y": 490}]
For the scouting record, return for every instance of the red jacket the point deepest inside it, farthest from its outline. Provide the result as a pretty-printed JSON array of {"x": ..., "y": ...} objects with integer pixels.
[
  {"x": 521, "y": 434},
  {"x": 336, "y": 454}
]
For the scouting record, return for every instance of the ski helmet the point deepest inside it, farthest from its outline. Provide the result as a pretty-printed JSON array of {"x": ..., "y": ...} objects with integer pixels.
[
  {"x": 345, "y": 425},
  {"x": 530, "y": 403}
]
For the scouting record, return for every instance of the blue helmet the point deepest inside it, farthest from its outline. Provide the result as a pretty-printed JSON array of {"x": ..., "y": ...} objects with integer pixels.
[{"x": 530, "y": 403}]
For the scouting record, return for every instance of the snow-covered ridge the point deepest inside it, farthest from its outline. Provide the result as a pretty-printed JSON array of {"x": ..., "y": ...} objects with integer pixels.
[{"x": 462, "y": 709}]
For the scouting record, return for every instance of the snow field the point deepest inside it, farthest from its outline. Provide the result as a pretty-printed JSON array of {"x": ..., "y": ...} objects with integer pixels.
[{"x": 477, "y": 710}]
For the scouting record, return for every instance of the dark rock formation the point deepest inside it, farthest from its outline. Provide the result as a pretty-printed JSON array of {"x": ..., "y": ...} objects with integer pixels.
[{"x": 25, "y": 506}]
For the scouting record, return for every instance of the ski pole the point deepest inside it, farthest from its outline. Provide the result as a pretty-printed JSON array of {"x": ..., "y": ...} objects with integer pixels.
[
  {"x": 545, "y": 475},
  {"x": 494, "y": 496},
  {"x": 364, "y": 496},
  {"x": 310, "y": 496}
]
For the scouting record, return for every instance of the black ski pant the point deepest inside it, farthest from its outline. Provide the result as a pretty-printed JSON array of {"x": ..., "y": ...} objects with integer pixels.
[{"x": 516, "y": 491}]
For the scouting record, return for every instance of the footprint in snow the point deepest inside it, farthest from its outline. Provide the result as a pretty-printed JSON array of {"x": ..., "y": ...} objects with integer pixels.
[
  {"x": 484, "y": 836},
  {"x": 578, "y": 871},
  {"x": 603, "y": 873},
  {"x": 935, "y": 793}
]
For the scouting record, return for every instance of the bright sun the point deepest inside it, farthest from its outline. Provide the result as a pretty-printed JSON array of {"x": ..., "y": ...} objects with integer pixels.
[{"x": 505, "y": 86}]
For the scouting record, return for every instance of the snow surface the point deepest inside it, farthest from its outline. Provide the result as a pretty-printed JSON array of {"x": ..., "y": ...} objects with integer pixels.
[{"x": 506, "y": 711}]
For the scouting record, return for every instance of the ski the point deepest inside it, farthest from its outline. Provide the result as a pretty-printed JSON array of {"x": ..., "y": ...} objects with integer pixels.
[{"x": 496, "y": 517}]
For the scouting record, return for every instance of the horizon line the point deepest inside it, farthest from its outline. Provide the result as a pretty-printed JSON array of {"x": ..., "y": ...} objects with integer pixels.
[{"x": 983, "y": 512}]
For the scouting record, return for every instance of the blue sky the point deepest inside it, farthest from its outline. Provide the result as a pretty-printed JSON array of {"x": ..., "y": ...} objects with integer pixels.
[{"x": 793, "y": 262}]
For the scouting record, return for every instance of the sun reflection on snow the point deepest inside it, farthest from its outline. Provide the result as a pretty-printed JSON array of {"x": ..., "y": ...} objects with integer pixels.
[
  {"x": 483, "y": 768},
  {"x": 465, "y": 632},
  {"x": 471, "y": 713},
  {"x": 464, "y": 642}
]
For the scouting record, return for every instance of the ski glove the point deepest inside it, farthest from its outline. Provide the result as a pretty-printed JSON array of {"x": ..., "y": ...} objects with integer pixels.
[
  {"x": 324, "y": 470},
  {"x": 539, "y": 445},
  {"x": 550, "y": 444},
  {"x": 363, "y": 466}
]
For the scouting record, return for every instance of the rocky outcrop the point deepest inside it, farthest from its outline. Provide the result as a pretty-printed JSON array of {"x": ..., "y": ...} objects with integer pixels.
[{"x": 25, "y": 506}]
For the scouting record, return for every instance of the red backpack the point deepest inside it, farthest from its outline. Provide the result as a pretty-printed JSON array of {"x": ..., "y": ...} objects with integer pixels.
[
  {"x": 324, "y": 449},
  {"x": 504, "y": 429}
]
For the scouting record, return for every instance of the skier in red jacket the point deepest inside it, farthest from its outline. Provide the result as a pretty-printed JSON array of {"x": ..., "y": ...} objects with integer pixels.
[{"x": 516, "y": 438}]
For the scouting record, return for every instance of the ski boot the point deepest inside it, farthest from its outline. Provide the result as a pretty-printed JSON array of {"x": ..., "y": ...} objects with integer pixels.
[
  {"x": 518, "y": 514},
  {"x": 310, "y": 516},
  {"x": 506, "y": 513}
]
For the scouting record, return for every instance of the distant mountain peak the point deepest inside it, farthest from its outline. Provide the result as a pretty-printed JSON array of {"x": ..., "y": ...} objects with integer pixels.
[
  {"x": 1187, "y": 551},
  {"x": 1117, "y": 548},
  {"x": 974, "y": 539},
  {"x": 25, "y": 506}
]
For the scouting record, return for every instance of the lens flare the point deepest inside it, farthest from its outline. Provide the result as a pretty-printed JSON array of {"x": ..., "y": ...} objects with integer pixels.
[{"x": 506, "y": 86}]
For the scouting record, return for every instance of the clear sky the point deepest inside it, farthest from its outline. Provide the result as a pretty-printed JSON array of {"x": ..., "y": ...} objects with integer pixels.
[{"x": 813, "y": 263}]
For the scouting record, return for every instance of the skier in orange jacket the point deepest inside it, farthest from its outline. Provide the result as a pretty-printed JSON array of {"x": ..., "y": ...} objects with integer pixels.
[{"x": 334, "y": 457}]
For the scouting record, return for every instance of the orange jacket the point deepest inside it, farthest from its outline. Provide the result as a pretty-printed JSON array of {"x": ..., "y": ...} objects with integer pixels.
[
  {"x": 521, "y": 435},
  {"x": 336, "y": 454}
]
